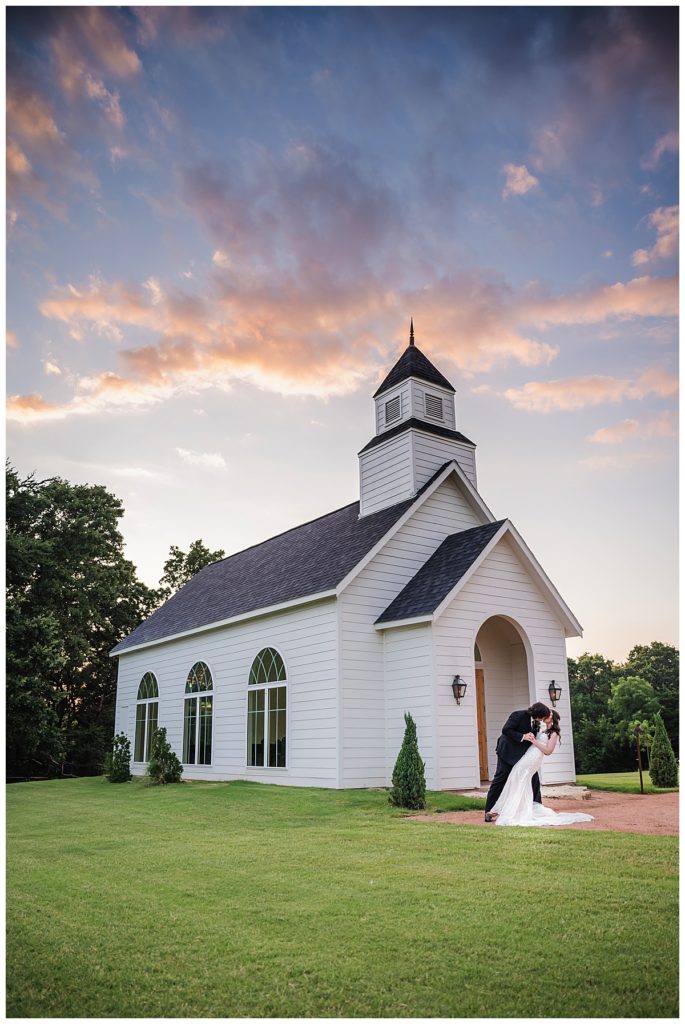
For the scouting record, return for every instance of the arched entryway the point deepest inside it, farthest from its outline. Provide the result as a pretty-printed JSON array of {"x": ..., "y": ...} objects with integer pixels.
[{"x": 504, "y": 682}]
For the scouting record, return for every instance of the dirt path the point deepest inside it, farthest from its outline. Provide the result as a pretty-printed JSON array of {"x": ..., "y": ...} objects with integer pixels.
[{"x": 613, "y": 812}]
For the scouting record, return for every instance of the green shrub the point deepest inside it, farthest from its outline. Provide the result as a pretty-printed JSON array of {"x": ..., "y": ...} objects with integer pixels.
[
  {"x": 117, "y": 764},
  {"x": 163, "y": 766},
  {"x": 663, "y": 769},
  {"x": 409, "y": 777}
]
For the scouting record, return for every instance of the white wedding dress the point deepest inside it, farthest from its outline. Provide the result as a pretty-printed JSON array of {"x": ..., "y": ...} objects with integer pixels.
[{"x": 516, "y": 806}]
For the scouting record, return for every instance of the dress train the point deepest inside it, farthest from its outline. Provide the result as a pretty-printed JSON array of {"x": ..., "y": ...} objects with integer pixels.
[{"x": 515, "y": 805}]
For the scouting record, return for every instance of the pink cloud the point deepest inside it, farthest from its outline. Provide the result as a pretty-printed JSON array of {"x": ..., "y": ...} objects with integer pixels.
[
  {"x": 29, "y": 408},
  {"x": 40, "y": 160},
  {"x": 642, "y": 296},
  {"x": 666, "y": 221},
  {"x": 667, "y": 143},
  {"x": 580, "y": 392},
  {"x": 96, "y": 33},
  {"x": 518, "y": 181},
  {"x": 322, "y": 337},
  {"x": 664, "y": 425}
]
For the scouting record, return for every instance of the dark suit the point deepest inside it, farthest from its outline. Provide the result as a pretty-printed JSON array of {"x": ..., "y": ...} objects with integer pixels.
[{"x": 511, "y": 749}]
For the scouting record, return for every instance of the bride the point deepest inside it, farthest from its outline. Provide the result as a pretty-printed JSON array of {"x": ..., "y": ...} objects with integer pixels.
[{"x": 515, "y": 805}]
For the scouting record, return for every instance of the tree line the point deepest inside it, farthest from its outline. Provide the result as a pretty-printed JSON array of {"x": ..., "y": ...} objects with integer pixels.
[
  {"x": 72, "y": 595},
  {"x": 609, "y": 700}
]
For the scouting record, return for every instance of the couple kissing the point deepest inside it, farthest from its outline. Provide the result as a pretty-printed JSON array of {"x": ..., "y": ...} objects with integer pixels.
[{"x": 514, "y": 797}]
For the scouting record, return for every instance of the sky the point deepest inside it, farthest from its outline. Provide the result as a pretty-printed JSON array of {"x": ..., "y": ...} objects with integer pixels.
[{"x": 220, "y": 220}]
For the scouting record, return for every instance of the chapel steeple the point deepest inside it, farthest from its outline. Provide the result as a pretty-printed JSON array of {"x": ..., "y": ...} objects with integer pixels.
[{"x": 416, "y": 432}]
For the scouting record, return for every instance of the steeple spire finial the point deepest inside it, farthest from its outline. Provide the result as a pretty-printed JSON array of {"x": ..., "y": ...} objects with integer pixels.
[{"x": 411, "y": 331}]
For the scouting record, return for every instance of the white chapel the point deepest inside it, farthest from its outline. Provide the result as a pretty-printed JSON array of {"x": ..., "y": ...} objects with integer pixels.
[{"x": 294, "y": 661}]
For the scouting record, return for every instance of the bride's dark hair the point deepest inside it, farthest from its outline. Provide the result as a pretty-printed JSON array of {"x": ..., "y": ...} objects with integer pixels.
[{"x": 554, "y": 727}]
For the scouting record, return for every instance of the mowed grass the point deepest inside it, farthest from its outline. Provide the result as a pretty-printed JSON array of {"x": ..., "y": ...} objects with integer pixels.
[
  {"x": 621, "y": 782},
  {"x": 241, "y": 900}
]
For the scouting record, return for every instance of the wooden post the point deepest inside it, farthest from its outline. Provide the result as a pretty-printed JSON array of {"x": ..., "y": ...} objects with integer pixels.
[{"x": 638, "y": 730}]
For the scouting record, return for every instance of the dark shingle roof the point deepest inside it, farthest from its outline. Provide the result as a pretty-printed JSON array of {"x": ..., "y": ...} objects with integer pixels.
[
  {"x": 306, "y": 560},
  {"x": 413, "y": 363},
  {"x": 417, "y": 424},
  {"x": 440, "y": 573}
]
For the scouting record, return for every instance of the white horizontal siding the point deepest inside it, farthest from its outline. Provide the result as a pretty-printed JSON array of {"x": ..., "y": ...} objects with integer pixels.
[
  {"x": 385, "y": 474},
  {"x": 306, "y": 637},
  {"x": 430, "y": 452},
  {"x": 501, "y": 586},
  {"x": 363, "y": 711},
  {"x": 409, "y": 687}
]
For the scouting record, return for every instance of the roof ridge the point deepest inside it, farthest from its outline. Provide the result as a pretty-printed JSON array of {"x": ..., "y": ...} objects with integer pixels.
[{"x": 483, "y": 526}]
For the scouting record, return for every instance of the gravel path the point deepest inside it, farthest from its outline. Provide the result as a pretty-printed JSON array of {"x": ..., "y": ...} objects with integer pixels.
[{"x": 652, "y": 815}]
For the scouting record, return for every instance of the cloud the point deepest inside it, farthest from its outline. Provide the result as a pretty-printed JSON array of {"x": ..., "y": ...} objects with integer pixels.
[
  {"x": 41, "y": 163},
  {"x": 580, "y": 392},
  {"x": 221, "y": 259},
  {"x": 96, "y": 35},
  {"x": 639, "y": 297},
  {"x": 29, "y": 408},
  {"x": 472, "y": 320},
  {"x": 625, "y": 460},
  {"x": 104, "y": 307},
  {"x": 209, "y": 460},
  {"x": 663, "y": 425},
  {"x": 11, "y": 339},
  {"x": 320, "y": 336},
  {"x": 84, "y": 85},
  {"x": 51, "y": 368},
  {"x": 666, "y": 221},
  {"x": 103, "y": 393},
  {"x": 667, "y": 143},
  {"x": 519, "y": 180}
]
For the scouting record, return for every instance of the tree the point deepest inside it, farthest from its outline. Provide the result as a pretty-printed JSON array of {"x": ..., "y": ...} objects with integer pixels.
[
  {"x": 71, "y": 596},
  {"x": 118, "y": 762},
  {"x": 659, "y": 664},
  {"x": 181, "y": 566},
  {"x": 408, "y": 777},
  {"x": 663, "y": 769},
  {"x": 595, "y": 745},
  {"x": 596, "y": 748},
  {"x": 633, "y": 702},
  {"x": 163, "y": 766}
]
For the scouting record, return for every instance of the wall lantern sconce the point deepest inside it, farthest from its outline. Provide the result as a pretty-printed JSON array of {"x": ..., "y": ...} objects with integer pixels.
[
  {"x": 554, "y": 693},
  {"x": 458, "y": 688}
]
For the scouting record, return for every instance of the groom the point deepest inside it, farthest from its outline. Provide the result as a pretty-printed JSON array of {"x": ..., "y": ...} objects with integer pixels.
[{"x": 511, "y": 746}]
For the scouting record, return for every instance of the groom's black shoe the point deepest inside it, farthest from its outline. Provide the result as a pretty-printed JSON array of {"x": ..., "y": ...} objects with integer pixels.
[{"x": 490, "y": 817}]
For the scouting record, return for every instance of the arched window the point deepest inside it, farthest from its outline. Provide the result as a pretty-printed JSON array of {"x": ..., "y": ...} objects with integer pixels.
[
  {"x": 147, "y": 708},
  {"x": 266, "y": 711},
  {"x": 476, "y": 653},
  {"x": 197, "y": 716}
]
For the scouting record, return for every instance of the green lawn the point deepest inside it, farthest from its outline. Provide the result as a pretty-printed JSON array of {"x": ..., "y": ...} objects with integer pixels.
[
  {"x": 235, "y": 899},
  {"x": 621, "y": 782}
]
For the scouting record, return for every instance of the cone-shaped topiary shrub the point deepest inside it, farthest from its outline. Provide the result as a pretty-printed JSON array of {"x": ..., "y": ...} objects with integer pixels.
[
  {"x": 409, "y": 777},
  {"x": 163, "y": 766},
  {"x": 663, "y": 770},
  {"x": 117, "y": 764}
]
